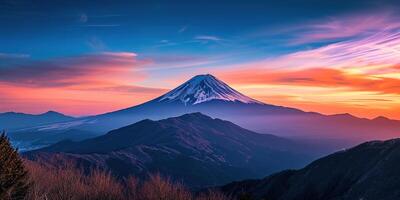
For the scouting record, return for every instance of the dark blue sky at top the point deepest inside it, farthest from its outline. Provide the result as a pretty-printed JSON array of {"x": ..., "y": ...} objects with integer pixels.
[{"x": 47, "y": 29}]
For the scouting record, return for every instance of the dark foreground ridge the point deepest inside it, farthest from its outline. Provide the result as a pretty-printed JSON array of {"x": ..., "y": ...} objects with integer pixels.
[{"x": 368, "y": 171}]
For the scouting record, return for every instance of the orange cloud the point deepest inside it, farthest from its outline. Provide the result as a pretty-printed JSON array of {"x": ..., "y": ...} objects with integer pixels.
[
  {"x": 73, "y": 101},
  {"x": 316, "y": 77},
  {"x": 85, "y": 84},
  {"x": 79, "y": 85},
  {"x": 325, "y": 90},
  {"x": 92, "y": 69}
]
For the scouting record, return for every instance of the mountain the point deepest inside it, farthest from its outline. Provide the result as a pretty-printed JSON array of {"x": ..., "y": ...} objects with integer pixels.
[
  {"x": 367, "y": 171},
  {"x": 195, "y": 148},
  {"x": 13, "y": 121},
  {"x": 211, "y": 96},
  {"x": 203, "y": 88}
]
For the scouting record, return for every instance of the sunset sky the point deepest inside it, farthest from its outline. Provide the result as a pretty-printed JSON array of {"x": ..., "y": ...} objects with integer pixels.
[{"x": 90, "y": 57}]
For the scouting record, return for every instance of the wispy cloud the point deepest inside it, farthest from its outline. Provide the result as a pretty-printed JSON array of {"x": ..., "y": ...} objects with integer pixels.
[
  {"x": 365, "y": 55},
  {"x": 345, "y": 27},
  {"x": 174, "y": 61},
  {"x": 165, "y": 43},
  {"x": 13, "y": 55},
  {"x": 183, "y": 29},
  {"x": 102, "y": 25},
  {"x": 374, "y": 52},
  {"x": 73, "y": 71},
  {"x": 132, "y": 89},
  {"x": 207, "y": 38},
  {"x": 10, "y": 59},
  {"x": 330, "y": 29},
  {"x": 83, "y": 18},
  {"x": 96, "y": 44}
]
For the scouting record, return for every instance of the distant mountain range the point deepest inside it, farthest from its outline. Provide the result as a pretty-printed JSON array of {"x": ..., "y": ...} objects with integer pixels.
[
  {"x": 18, "y": 127},
  {"x": 12, "y": 120},
  {"x": 208, "y": 95},
  {"x": 206, "y": 151},
  {"x": 368, "y": 171},
  {"x": 195, "y": 148}
]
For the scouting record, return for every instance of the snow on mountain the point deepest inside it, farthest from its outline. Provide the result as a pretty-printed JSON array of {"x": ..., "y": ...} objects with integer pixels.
[{"x": 203, "y": 88}]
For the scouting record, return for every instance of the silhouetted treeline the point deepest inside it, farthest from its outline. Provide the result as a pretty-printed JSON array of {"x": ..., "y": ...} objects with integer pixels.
[{"x": 14, "y": 183}]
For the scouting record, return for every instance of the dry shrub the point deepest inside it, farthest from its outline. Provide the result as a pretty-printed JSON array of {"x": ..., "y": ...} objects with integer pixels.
[
  {"x": 70, "y": 183},
  {"x": 159, "y": 188},
  {"x": 102, "y": 185},
  {"x": 55, "y": 184},
  {"x": 67, "y": 182},
  {"x": 132, "y": 188}
]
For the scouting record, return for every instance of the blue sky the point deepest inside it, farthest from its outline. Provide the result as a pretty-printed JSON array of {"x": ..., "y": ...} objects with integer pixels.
[{"x": 45, "y": 29}]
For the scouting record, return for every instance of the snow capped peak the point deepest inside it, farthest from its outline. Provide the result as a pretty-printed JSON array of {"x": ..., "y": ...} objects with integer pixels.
[{"x": 203, "y": 88}]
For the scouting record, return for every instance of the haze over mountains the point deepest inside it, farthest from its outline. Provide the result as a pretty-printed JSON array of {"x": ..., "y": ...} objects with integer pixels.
[
  {"x": 197, "y": 149},
  {"x": 12, "y": 120},
  {"x": 367, "y": 171},
  {"x": 208, "y": 95}
]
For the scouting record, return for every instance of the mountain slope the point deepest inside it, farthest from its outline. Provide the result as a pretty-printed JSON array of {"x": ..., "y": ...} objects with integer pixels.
[
  {"x": 367, "y": 171},
  {"x": 12, "y": 120},
  {"x": 195, "y": 148}
]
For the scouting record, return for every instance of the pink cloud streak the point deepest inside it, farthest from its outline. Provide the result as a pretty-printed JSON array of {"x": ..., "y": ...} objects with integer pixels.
[
  {"x": 347, "y": 26},
  {"x": 71, "y": 71}
]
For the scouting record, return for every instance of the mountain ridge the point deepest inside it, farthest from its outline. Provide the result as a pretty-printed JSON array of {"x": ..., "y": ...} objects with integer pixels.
[
  {"x": 193, "y": 147},
  {"x": 18, "y": 120},
  {"x": 366, "y": 171}
]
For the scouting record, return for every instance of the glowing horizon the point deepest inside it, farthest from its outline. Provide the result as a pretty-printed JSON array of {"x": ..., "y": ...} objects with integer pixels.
[{"x": 100, "y": 59}]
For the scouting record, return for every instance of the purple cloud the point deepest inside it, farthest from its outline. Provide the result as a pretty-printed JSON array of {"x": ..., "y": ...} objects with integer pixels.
[{"x": 70, "y": 70}]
